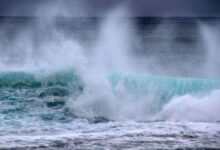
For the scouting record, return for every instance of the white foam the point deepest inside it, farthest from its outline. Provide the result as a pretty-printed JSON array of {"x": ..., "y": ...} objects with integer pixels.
[{"x": 189, "y": 108}]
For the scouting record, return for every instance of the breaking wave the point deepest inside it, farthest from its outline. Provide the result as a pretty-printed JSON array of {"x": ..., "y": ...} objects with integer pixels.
[{"x": 112, "y": 96}]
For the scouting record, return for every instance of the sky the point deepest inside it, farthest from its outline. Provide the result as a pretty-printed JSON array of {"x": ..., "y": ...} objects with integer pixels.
[{"x": 96, "y": 8}]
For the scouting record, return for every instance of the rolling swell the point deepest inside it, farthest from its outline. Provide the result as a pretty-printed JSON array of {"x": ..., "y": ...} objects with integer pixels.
[
  {"x": 165, "y": 87},
  {"x": 31, "y": 80},
  {"x": 136, "y": 83},
  {"x": 45, "y": 96},
  {"x": 26, "y": 96}
]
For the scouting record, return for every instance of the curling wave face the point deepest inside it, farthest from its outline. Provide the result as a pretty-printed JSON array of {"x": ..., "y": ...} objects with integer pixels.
[{"x": 64, "y": 96}]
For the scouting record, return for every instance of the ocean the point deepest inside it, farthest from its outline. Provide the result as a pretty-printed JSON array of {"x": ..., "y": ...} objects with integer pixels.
[{"x": 109, "y": 83}]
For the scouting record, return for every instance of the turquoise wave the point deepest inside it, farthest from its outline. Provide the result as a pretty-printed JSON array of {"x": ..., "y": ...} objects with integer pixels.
[
  {"x": 165, "y": 87},
  {"x": 137, "y": 84},
  {"x": 33, "y": 80},
  {"x": 44, "y": 95}
]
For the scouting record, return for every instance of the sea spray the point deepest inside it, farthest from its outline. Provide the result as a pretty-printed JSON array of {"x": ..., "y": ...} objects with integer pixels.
[
  {"x": 136, "y": 96},
  {"x": 191, "y": 108},
  {"x": 95, "y": 84},
  {"x": 210, "y": 36},
  {"x": 108, "y": 69},
  {"x": 112, "y": 48},
  {"x": 66, "y": 85}
]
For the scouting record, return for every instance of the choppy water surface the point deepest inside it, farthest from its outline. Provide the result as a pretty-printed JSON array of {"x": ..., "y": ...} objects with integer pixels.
[{"x": 117, "y": 135}]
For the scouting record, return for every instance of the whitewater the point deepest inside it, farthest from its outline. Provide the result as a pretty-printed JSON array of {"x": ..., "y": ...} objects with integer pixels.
[{"x": 59, "y": 90}]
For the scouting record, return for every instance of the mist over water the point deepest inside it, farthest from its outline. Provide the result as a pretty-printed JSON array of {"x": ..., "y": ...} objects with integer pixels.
[
  {"x": 65, "y": 74},
  {"x": 111, "y": 51},
  {"x": 211, "y": 34}
]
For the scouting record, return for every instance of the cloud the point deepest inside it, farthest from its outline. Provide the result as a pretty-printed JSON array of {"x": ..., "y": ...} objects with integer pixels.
[{"x": 94, "y": 8}]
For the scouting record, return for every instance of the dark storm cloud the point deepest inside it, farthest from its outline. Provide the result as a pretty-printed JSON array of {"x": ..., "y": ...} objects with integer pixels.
[
  {"x": 100, "y": 7},
  {"x": 176, "y": 7}
]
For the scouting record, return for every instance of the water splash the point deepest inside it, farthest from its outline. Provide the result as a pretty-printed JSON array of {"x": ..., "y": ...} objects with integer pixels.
[
  {"x": 211, "y": 35},
  {"x": 111, "y": 51}
]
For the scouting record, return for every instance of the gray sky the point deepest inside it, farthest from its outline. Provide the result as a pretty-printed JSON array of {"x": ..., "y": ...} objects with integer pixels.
[{"x": 96, "y": 8}]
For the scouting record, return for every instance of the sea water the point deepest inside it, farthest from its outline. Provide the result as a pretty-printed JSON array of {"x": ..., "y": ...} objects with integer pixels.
[{"x": 109, "y": 83}]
